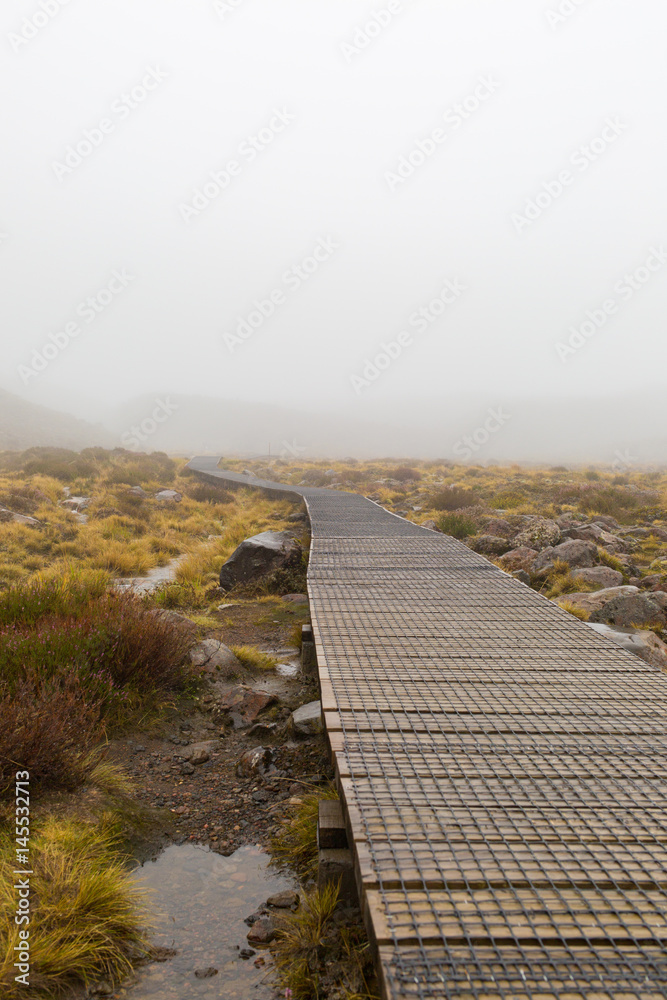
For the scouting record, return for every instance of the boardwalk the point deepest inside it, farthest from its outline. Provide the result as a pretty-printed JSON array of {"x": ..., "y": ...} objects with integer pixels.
[{"x": 503, "y": 767}]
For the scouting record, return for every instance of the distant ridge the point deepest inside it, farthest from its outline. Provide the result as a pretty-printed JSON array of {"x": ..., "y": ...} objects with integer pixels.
[{"x": 27, "y": 425}]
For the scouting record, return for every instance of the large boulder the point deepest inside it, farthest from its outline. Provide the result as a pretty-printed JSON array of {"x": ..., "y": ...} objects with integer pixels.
[
  {"x": 593, "y": 602},
  {"x": 521, "y": 558},
  {"x": 599, "y": 576},
  {"x": 644, "y": 644},
  {"x": 257, "y": 556},
  {"x": 540, "y": 534},
  {"x": 577, "y": 555},
  {"x": 307, "y": 720},
  {"x": 211, "y": 656},
  {"x": 499, "y": 526},
  {"x": 488, "y": 545},
  {"x": 630, "y": 611}
]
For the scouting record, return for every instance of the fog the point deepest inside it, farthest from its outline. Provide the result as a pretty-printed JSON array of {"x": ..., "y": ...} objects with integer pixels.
[{"x": 339, "y": 227}]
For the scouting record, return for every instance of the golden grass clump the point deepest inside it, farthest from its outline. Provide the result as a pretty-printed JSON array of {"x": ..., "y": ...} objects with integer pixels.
[
  {"x": 86, "y": 914},
  {"x": 254, "y": 658}
]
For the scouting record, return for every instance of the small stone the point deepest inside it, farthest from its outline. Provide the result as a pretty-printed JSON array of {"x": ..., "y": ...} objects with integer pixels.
[
  {"x": 187, "y": 768},
  {"x": 283, "y": 900},
  {"x": 256, "y": 761},
  {"x": 246, "y": 953},
  {"x": 307, "y": 720},
  {"x": 262, "y": 931},
  {"x": 206, "y": 973}
]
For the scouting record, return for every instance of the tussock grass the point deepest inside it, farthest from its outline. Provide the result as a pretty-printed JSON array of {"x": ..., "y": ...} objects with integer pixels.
[
  {"x": 254, "y": 658},
  {"x": 457, "y": 525},
  {"x": 299, "y": 938},
  {"x": 572, "y": 609},
  {"x": 86, "y": 913}
]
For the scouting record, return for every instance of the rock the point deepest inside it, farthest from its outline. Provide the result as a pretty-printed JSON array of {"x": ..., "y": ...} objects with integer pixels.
[
  {"x": 607, "y": 522},
  {"x": 307, "y": 720},
  {"x": 7, "y": 515},
  {"x": 103, "y": 989},
  {"x": 212, "y": 655},
  {"x": 296, "y": 598},
  {"x": 660, "y": 533},
  {"x": 431, "y": 525},
  {"x": 207, "y": 973},
  {"x": 187, "y": 768},
  {"x": 175, "y": 618},
  {"x": 644, "y": 644},
  {"x": 498, "y": 526},
  {"x": 539, "y": 534},
  {"x": 257, "y": 556},
  {"x": 254, "y": 762},
  {"x": 632, "y": 610},
  {"x": 262, "y": 931},
  {"x": 199, "y": 753},
  {"x": 565, "y": 521},
  {"x": 136, "y": 491},
  {"x": 649, "y": 582},
  {"x": 522, "y": 576},
  {"x": 283, "y": 900},
  {"x": 488, "y": 545},
  {"x": 577, "y": 554},
  {"x": 169, "y": 495},
  {"x": 586, "y": 532},
  {"x": 602, "y": 576},
  {"x": 518, "y": 559},
  {"x": 245, "y": 704},
  {"x": 296, "y": 518},
  {"x": 596, "y": 600},
  {"x": 246, "y": 953}
]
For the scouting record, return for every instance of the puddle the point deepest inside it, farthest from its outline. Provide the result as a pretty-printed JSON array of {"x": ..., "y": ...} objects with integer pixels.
[
  {"x": 153, "y": 579},
  {"x": 198, "y": 901}
]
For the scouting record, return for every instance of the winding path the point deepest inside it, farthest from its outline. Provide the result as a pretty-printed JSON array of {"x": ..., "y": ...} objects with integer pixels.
[{"x": 503, "y": 768}]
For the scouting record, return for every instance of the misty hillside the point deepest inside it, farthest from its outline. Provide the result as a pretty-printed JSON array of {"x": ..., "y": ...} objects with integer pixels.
[{"x": 26, "y": 425}]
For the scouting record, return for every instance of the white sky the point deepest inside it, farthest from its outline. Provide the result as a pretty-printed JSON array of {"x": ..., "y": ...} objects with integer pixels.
[{"x": 325, "y": 176}]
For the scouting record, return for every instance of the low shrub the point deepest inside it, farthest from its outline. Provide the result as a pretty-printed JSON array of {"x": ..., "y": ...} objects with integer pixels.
[
  {"x": 47, "y": 727},
  {"x": 406, "y": 474},
  {"x": 453, "y": 498},
  {"x": 203, "y": 493},
  {"x": 457, "y": 525},
  {"x": 508, "y": 499}
]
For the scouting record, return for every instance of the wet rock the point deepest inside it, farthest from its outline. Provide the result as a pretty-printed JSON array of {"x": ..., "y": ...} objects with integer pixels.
[
  {"x": 254, "y": 762},
  {"x": 254, "y": 917},
  {"x": 245, "y": 704},
  {"x": 212, "y": 656},
  {"x": 102, "y": 989},
  {"x": 521, "y": 558},
  {"x": 283, "y": 900},
  {"x": 577, "y": 554},
  {"x": 206, "y": 973},
  {"x": 307, "y": 720},
  {"x": 488, "y": 545},
  {"x": 632, "y": 610},
  {"x": 246, "y": 953},
  {"x": 257, "y": 556},
  {"x": 644, "y": 644},
  {"x": 601, "y": 576},
  {"x": 540, "y": 534},
  {"x": 263, "y": 931}
]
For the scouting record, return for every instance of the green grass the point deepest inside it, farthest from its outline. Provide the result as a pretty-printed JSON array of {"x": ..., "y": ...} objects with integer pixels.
[
  {"x": 295, "y": 846},
  {"x": 457, "y": 525}
]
